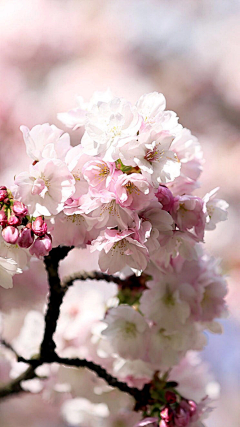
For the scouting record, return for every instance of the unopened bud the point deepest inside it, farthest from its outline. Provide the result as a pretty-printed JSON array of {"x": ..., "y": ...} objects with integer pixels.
[
  {"x": 10, "y": 234},
  {"x": 19, "y": 208},
  {"x": 192, "y": 408},
  {"x": 166, "y": 414},
  {"x": 181, "y": 417},
  {"x": 14, "y": 220},
  {"x": 26, "y": 238},
  {"x": 170, "y": 397},
  {"x": 165, "y": 197},
  {"x": 39, "y": 226},
  {"x": 3, "y": 193},
  {"x": 41, "y": 246},
  {"x": 3, "y": 218}
]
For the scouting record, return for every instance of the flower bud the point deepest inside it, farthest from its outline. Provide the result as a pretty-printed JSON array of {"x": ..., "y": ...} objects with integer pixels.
[
  {"x": 14, "y": 220},
  {"x": 10, "y": 234},
  {"x": 41, "y": 246},
  {"x": 170, "y": 397},
  {"x": 19, "y": 208},
  {"x": 193, "y": 407},
  {"x": 26, "y": 238},
  {"x": 166, "y": 414},
  {"x": 181, "y": 417},
  {"x": 165, "y": 197},
  {"x": 3, "y": 218},
  {"x": 39, "y": 227},
  {"x": 3, "y": 193}
]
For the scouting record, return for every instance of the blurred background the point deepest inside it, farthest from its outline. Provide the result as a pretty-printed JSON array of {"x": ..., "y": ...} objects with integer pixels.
[{"x": 53, "y": 50}]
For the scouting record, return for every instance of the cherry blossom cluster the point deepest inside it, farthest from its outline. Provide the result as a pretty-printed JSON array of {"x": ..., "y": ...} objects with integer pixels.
[
  {"x": 126, "y": 192},
  {"x": 125, "y": 189}
]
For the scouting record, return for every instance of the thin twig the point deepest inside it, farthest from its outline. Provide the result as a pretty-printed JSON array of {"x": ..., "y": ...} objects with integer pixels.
[
  {"x": 132, "y": 282},
  {"x": 8, "y": 346},
  {"x": 14, "y": 387}
]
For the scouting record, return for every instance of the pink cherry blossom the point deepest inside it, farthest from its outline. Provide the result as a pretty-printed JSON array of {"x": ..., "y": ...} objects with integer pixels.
[
  {"x": 133, "y": 191},
  {"x": 26, "y": 238},
  {"x": 98, "y": 173},
  {"x": 188, "y": 213},
  {"x": 41, "y": 246},
  {"x": 118, "y": 249}
]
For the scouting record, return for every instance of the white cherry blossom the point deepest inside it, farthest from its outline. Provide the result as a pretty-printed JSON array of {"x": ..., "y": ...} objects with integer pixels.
[
  {"x": 8, "y": 268},
  {"x": 45, "y": 141},
  {"x": 125, "y": 331},
  {"x": 216, "y": 209},
  {"x": 46, "y": 187},
  {"x": 77, "y": 117},
  {"x": 109, "y": 126}
]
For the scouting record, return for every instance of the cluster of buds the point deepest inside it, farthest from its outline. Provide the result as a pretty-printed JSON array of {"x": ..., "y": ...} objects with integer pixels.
[
  {"x": 21, "y": 229},
  {"x": 178, "y": 412}
]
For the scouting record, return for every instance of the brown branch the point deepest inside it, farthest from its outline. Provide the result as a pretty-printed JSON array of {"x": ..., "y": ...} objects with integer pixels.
[
  {"x": 14, "y": 387},
  {"x": 132, "y": 282},
  {"x": 56, "y": 294},
  {"x": 94, "y": 367},
  {"x": 47, "y": 348},
  {"x": 8, "y": 346},
  {"x": 141, "y": 396}
]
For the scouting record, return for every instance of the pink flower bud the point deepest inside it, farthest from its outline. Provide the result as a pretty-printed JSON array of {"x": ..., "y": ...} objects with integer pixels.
[
  {"x": 167, "y": 414},
  {"x": 3, "y": 193},
  {"x": 20, "y": 209},
  {"x": 170, "y": 397},
  {"x": 165, "y": 197},
  {"x": 26, "y": 238},
  {"x": 14, "y": 220},
  {"x": 193, "y": 407},
  {"x": 39, "y": 227},
  {"x": 41, "y": 246},
  {"x": 181, "y": 417},
  {"x": 3, "y": 218},
  {"x": 10, "y": 234}
]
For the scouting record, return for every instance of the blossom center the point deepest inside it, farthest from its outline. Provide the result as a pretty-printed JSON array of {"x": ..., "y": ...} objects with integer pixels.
[
  {"x": 76, "y": 176},
  {"x": 131, "y": 188},
  {"x": 121, "y": 246},
  {"x": 104, "y": 171},
  {"x": 168, "y": 299},
  {"x": 130, "y": 329},
  {"x": 153, "y": 155}
]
